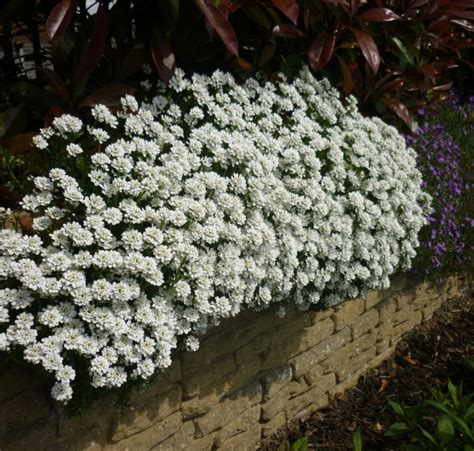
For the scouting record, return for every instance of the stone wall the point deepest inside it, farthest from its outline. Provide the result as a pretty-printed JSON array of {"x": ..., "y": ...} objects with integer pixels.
[{"x": 251, "y": 374}]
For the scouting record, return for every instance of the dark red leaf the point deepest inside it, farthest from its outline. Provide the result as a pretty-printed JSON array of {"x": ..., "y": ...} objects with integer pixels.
[
  {"x": 418, "y": 3},
  {"x": 398, "y": 108},
  {"x": 109, "y": 95},
  {"x": 321, "y": 50},
  {"x": 53, "y": 112},
  {"x": 9, "y": 120},
  {"x": 462, "y": 13},
  {"x": 220, "y": 24},
  {"x": 289, "y": 8},
  {"x": 59, "y": 19},
  {"x": 369, "y": 48},
  {"x": 338, "y": 2},
  {"x": 132, "y": 63},
  {"x": 379, "y": 15},
  {"x": 285, "y": 30},
  {"x": 94, "y": 48},
  {"x": 55, "y": 81},
  {"x": 20, "y": 144},
  {"x": 163, "y": 56}
]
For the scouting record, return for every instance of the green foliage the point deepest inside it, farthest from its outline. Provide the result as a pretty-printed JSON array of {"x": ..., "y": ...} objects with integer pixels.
[
  {"x": 357, "y": 441},
  {"x": 443, "y": 423}
]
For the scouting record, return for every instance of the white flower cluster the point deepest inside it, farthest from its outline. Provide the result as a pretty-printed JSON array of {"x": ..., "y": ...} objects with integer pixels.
[{"x": 216, "y": 197}]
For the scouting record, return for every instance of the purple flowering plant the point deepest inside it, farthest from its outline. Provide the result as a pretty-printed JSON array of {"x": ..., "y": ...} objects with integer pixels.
[{"x": 444, "y": 142}]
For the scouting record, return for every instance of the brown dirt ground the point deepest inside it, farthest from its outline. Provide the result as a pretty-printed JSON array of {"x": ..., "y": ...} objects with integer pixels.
[{"x": 425, "y": 359}]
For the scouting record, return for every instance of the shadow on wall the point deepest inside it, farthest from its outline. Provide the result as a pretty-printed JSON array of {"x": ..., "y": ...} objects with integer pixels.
[{"x": 251, "y": 374}]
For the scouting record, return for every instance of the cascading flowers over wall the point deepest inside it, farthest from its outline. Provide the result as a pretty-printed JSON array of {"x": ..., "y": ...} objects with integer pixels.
[{"x": 210, "y": 198}]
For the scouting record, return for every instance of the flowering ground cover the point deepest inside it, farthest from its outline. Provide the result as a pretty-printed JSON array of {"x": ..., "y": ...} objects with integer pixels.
[
  {"x": 444, "y": 143},
  {"x": 211, "y": 197}
]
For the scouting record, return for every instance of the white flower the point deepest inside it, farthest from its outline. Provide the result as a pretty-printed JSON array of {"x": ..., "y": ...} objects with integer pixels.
[{"x": 212, "y": 197}]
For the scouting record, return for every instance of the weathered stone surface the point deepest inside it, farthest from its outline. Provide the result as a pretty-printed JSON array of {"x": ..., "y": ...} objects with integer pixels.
[
  {"x": 180, "y": 440},
  {"x": 304, "y": 409},
  {"x": 195, "y": 384},
  {"x": 387, "y": 308},
  {"x": 373, "y": 298},
  {"x": 364, "y": 323},
  {"x": 341, "y": 359},
  {"x": 239, "y": 424},
  {"x": 308, "y": 400},
  {"x": 14, "y": 381},
  {"x": 255, "y": 347},
  {"x": 274, "y": 424},
  {"x": 303, "y": 362},
  {"x": 23, "y": 409},
  {"x": 275, "y": 405},
  {"x": 405, "y": 299},
  {"x": 346, "y": 312},
  {"x": 320, "y": 315},
  {"x": 294, "y": 326},
  {"x": 313, "y": 374},
  {"x": 243, "y": 442},
  {"x": 223, "y": 413},
  {"x": 316, "y": 333},
  {"x": 275, "y": 379},
  {"x": 211, "y": 395},
  {"x": 144, "y": 412},
  {"x": 356, "y": 363},
  {"x": 281, "y": 350},
  {"x": 151, "y": 437}
]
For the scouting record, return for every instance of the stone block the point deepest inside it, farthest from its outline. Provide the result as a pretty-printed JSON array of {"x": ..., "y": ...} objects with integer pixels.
[
  {"x": 23, "y": 409},
  {"x": 357, "y": 363},
  {"x": 143, "y": 412},
  {"x": 293, "y": 326},
  {"x": 239, "y": 424},
  {"x": 320, "y": 315},
  {"x": 224, "y": 412},
  {"x": 373, "y": 298},
  {"x": 303, "y": 408},
  {"x": 245, "y": 441},
  {"x": 195, "y": 384},
  {"x": 364, "y": 323},
  {"x": 275, "y": 379},
  {"x": 178, "y": 441},
  {"x": 280, "y": 351},
  {"x": 387, "y": 309},
  {"x": 202, "y": 402},
  {"x": 152, "y": 437},
  {"x": 346, "y": 312},
  {"x": 303, "y": 362},
  {"x": 405, "y": 300},
  {"x": 277, "y": 404},
  {"x": 254, "y": 348},
  {"x": 313, "y": 374},
  {"x": 274, "y": 424},
  {"x": 316, "y": 333},
  {"x": 14, "y": 381}
]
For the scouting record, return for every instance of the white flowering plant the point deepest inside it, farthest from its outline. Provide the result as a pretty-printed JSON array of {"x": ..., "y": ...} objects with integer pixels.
[{"x": 206, "y": 199}]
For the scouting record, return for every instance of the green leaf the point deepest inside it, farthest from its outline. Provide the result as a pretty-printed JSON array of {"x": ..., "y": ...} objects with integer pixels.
[
  {"x": 428, "y": 435},
  {"x": 401, "y": 46},
  {"x": 398, "y": 409},
  {"x": 397, "y": 429},
  {"x": 445, "y": 428},
  {"x": 357, "y": 440},
  {"x": 300, "y": 445},
  {"x": 453, "y": 392}
]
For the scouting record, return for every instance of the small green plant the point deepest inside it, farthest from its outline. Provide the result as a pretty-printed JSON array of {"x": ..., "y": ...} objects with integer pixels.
[
  {"x": 300, "y": 445},
  {"x": 443, "y": 423},
  {"x": 357, "y": 440}
]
